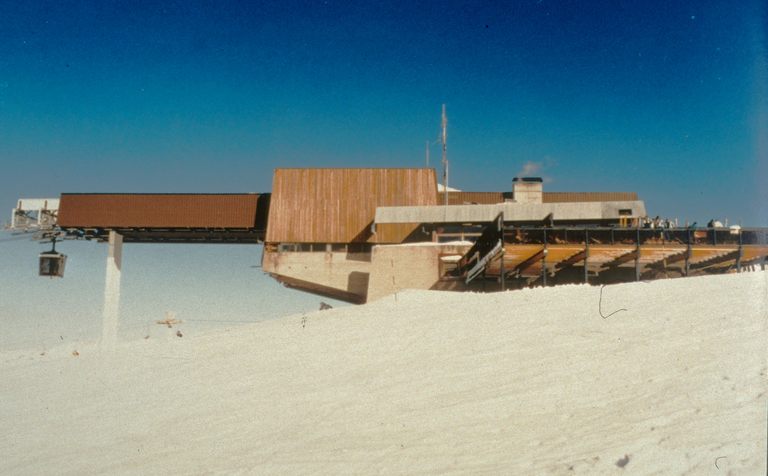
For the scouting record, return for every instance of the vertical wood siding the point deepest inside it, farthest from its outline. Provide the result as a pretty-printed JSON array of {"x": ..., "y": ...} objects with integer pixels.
[{"x": 339, "y": 205}]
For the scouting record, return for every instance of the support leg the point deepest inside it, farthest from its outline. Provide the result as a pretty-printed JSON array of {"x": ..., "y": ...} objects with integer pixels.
[
  {"x": 637, "y": 256},
  {"x": 687, "y": 268},
  {"x": 111, "y": 310}
]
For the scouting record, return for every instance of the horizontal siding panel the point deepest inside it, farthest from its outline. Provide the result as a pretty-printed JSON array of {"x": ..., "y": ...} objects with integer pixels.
[
  {"x": 159, "y": 210},
  {"x": 339, "y": 205}
]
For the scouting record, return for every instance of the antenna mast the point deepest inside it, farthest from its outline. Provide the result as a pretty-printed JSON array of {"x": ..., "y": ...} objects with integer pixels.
[{"x": 444, "y": 137}]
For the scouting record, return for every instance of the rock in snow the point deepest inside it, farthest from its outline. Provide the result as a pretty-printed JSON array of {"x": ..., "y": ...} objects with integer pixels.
[{"x": 520, "y": 382}]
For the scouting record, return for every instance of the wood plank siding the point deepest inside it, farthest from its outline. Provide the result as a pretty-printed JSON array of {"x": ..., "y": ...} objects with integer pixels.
[
  {"x": 339, "y": 205},
  {"x": 112, "y": 210}
]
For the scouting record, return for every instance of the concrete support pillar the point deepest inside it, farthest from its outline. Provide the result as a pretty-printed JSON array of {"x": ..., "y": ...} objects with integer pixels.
[{"x": 111, "y": 310}]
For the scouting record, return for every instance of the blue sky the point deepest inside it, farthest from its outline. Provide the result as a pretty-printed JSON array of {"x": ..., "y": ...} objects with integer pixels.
[{"x": 669, "y": 99}]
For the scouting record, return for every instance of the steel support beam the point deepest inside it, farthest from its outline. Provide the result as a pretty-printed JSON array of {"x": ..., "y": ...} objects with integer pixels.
[
  {"x": 572, "y": 260},
  {"x": 529, "y": 262},
  {"x": 664, "y": 262},
  {"x": 544, "y": 260},
  {"x": 500, "y": 226},
  {"x": 586, "y": 264},
  {"x": 637, "y": 257},
  {"x": 687, "y": 269},
  {"x": 716, "y": 260},
  {"x": 586, "y": 256},
  {"x": 625, "y": 258}
]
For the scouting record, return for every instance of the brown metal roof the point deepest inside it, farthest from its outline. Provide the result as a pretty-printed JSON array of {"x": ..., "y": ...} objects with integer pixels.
[
  {"x": 162, "y": 210},
  {"x": 339, "y": 205},
  {"x": 469, "y": 198},
  {"x": 560, "y": 197}
]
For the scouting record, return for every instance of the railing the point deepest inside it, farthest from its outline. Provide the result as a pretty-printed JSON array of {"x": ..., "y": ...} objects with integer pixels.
[
  {"x": 634, "y": 236},
  {"x": 486, "y": 247}
]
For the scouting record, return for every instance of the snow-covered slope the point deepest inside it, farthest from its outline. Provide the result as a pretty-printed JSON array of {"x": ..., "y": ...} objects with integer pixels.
[{"x": 522, "y": 382}]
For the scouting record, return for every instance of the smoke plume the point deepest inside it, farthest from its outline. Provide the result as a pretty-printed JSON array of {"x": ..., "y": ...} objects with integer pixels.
[{"x": 530, "y": 168}]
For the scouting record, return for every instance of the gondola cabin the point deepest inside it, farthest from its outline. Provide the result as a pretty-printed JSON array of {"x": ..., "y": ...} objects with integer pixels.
[{"x": 52, "y": 264}]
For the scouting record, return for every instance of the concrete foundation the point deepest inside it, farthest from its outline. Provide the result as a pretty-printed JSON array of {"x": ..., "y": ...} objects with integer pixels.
[
  {"x": 363, "y": 277},
  {"x": 399, "y": 267},
  {"x": 389, "y": 269},
  {"x": 339, "y": 275}
]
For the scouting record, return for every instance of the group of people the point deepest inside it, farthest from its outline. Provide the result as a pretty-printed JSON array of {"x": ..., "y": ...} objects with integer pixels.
[
  {"x": 657, "y": 222},
  {"x": 648, "y": 222}
]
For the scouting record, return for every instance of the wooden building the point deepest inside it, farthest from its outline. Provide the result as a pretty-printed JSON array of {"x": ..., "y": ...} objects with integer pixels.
[{"x": 338, "y": 206}]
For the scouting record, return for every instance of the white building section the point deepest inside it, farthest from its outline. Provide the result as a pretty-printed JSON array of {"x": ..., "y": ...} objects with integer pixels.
[{"x": 34, "y": 214}]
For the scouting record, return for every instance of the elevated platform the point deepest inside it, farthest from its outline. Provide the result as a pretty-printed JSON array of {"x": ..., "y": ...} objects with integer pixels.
[{"x": 581, "y": 254}]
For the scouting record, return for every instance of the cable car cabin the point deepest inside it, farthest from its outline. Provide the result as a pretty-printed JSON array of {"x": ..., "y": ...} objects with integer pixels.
[{"x": 52, "y": 264}]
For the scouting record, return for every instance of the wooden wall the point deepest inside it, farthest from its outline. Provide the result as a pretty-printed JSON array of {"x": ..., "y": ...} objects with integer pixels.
[{"x": 339, "y": 205}]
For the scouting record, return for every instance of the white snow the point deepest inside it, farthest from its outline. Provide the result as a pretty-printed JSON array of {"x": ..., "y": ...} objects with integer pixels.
[{"x": 521, "y": 382}]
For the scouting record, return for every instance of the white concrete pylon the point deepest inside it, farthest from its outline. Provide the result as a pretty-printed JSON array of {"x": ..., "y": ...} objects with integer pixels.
[{"x": 111, "y": 310}]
